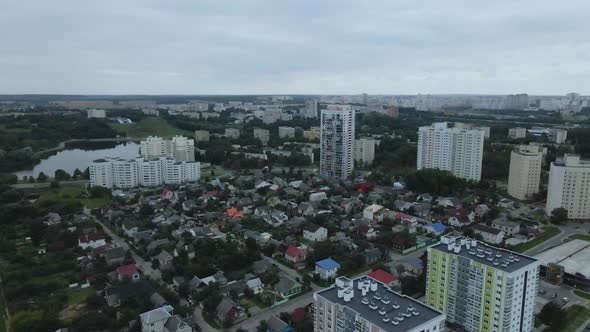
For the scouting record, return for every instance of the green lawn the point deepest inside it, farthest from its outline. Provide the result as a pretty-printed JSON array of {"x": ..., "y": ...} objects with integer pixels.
[
  {"x": 583, "y": 295},
  {"x": 70, "y": 193},
  {"x": 150, "y": 126},
  {"x": 550, "y": 232},
  {"x": 576, "y": 315},
  {"x": 77, "y": 296},
  {"x": 58, "y": 278},
  {"x": 580, "y": 237}
]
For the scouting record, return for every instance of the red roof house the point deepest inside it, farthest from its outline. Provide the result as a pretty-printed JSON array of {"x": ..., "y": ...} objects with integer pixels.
[
  {"x": 382, "y": 276},
  {"x": 128, "y": 271},
  {"x": 294, "y": 254}
]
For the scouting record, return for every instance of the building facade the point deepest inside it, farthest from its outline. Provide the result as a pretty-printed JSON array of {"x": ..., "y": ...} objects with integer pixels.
[
  {"x": 525, "y": 171},
  {"x": 179, "y": 148},
  {"x": 201, "y": 136},
  {"x": 124, "y": 173},
  {"x": 311, "y": 109},
  {"x": 337, "y": 142},
  {"x": 364, "y": 150},
  {"x": 557, "y": 135},
  {"x": 233, "y": 133},
  {"x": 481, "y": 287},
  {"x": 569, "y": 186},
  {"x": 96, "y": 113},
  {"x": 286, "y": 132},
  {"x": 263, "y": 135},
  {"x": 517, "y": 132},
  {"x": 455, "y": 149},
  {"x": 365, "y": 304}
]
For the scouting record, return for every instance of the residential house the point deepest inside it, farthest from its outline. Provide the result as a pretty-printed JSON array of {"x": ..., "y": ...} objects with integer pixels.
[
  {"x": 295, "y": 255},
  {"x": 510, "y": 228},
  {"x": 305, "y": 209},
  {"x": 52, "y": 218},
  {"x": 435, "y": 229},
  {"x": 128, "y": 272},
  {"x": 371, "y": 211},
  {"x": 287, "y": 287},
  {"x": 255, "y": 285},
  {"x": 162, "y": 320},
  {"x": 121, "y": 293},
  {"x": 165, "y": 260},
  {"x": 384, "y": 277},
  {"x": 157, "y": 244},
  {"x": 261, "y": 266},
  {"x": 92, "y": 240},
  {"x": 448, "y": 202},
  {"x": 263, "y": 211},
  {"x": 275, "y": 324},
  {"x": 234, "y": 287},
  {"x": 489, "y": 234},
  {"x": 367, "y": 231},
  {"x": 460, "y": 217},
  {"x": 230, "y": 311},
  {"x": 327, "y": 268},
  {"x": 506, "y": 203},
  {"x": 481, "y": 210},
  {"x": 115, "y": 256},
  {"x": 318, "y": 197},
  {"x": 313, "y": 232},
  {"x": 276, "y": 218},
  {"x": 130, "y": 227},
  {"x": 372, "y": 256}
]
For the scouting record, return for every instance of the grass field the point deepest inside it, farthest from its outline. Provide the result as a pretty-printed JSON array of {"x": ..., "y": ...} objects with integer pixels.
[
  {"x": 549, "y": 233},
  {"x": 77, "y": 296},
  {"x": 150, "y": 126},
  {"x": 576, "y": 315},
  {"x": 583, "y": 295},
  {"x": 580, "y": 237},
  {"x": 71, "y": 193}
]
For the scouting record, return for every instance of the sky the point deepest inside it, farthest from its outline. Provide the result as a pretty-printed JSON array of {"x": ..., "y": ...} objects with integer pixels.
[{"x": 294, "y": 47}]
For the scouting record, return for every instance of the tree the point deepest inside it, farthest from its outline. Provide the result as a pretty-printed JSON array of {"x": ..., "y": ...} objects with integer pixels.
[
  {"x": 553, "y": 316},
  {"x": 262, "y": 327},
  {"x": 61, "y": 175},
  {"x": 54, "y": 184},
  {"x": 559, "y": 216},
  {"x": 77, "y": 174},
  {"x": 155, "y": 263},
  {"x": 41, "y": 177},
  {"x": 146, "y": 210}
]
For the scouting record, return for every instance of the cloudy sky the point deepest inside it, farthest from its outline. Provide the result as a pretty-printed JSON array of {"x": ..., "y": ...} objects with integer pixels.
[{"x": 303, "y": 47}]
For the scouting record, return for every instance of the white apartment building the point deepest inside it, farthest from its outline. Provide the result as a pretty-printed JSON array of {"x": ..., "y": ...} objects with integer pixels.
[
  {"x": 525, "y": 171},
  {"x": 365, "y": 304},
  {"x": 569, "y": 186},
  {"x": 517, "y": 132},
  {"x": 481, "y": 287},
  {"x": 557, "y": 135},
  {"x": 179, "y": 147},
  {"x": 263, "y": 135},
  {"x": 96, "y": 113},
  {"x": 311, "y": 109},
  {"x": 286, "y": 132},
  {"x": 202, "y": 136},
  {"x": 458, "y": 150},
  {"x": 337, "y": 142},
  {"x": 364, "y": 150},
  {"x": 122, "y": 173},
  {"x": 233, "y": 133}
]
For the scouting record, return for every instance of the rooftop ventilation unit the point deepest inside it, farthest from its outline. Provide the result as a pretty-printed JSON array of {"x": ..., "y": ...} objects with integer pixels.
[
  {"x": 365, "y": 301},
  {"x": 386, "y": 318},
  {"x": 348, "y": 295},
  {"x": 394, "y": 322},
  {"x": 373, "y": 305},
  {"x": 474, "y": 243},
  {"x": 377, "y": 296},
  {"x": 385, "y": 300},
  {"x": 382, "y": 311},
  {"x": 457, "y": 250},
  {"x": 395, "y": 305},
  {"x": 373, "y": 286}
]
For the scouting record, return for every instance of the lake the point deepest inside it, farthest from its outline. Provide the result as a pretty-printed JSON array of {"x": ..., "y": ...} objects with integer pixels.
[{"x": 79, "y": 155}]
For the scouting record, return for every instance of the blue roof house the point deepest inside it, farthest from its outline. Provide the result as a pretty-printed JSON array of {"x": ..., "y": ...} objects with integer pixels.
[
  {"x": 327, "y": 268},
  {"x": 435, "y": 228}
]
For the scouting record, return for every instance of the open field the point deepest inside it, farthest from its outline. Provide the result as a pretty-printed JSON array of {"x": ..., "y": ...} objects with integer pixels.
[
  {"x": 576, "y": 315},
  {"x": 549, "y": 233},
  {"x": 580, "y": 237},
  {"x": 71, "y": 193},
  {"x": 149, "y": 127}
]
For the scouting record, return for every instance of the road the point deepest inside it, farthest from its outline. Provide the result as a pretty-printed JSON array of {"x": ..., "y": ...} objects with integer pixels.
[
  {"x": 142, "y": 265},
  {"x": 566, "y": 231}
]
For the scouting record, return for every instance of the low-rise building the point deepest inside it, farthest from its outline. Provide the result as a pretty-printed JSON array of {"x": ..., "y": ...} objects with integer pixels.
[
  {"x": 327, "y": 268},
  {"x": 92, "y": 240},
  {"x": 316, "y": 233},
  {"x": 510, "y": 228},
  {"x": 232, "y": 133},
  {"x": 489, "y": 234}
]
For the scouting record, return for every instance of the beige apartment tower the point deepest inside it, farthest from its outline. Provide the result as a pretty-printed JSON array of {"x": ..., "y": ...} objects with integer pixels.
[
  {"x": 525, "y": 171},
  {"x": 569, "y": 186}
]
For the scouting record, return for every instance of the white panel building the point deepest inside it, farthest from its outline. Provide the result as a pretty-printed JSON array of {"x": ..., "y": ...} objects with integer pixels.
[
  {"x": 569, "y": 186},
  {"x": 364, "y": 150},
  {"x": 525, "y": 171},
  {"x": 337, "y": 142},
  {"x": 179, "y": 147}
]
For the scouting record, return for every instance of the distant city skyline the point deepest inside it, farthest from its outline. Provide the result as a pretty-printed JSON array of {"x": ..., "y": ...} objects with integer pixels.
[{"x": 256, "y": 47}]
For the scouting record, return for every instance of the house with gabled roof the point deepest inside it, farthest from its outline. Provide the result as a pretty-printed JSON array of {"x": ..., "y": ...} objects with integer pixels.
[
  {"x": 287, "y": 287},
  {"x": 313, "y": 232},
  {"x": 327, "y": 268},
  {"x": 295, "y": 255}
]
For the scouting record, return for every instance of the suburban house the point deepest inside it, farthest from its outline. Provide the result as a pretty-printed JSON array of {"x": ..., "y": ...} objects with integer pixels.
[
  {"x": 114, "y": 256},
  {"x": 371, "y": 211},
  {"x": 127, "y": 272},
  {"x": 255, "y": 285},
  {"x": 275, "y": 324},
  {"x": 261, "y": 266},
  {"x": 287, "y": 287},
  {"x": 313, "y": 232},
  {"x": 489, "y": 234},
  {"x": 165, "y": 259},
  {"x": 510, "y": 228},
  {"x": 384, "y": 277},
  {"x": 327, "y": 268},
  {"x": 372, "y": 256},
  {"x": 295, "y": 254},
  {"x": 92, "y": 240},
  {"x": 318, "y": 197},
  {"x": 434, "y": 228},
  {"x": 230, "y": 311},
  {"x": 481, "y": 210},
  {"x": 162, "y": 320},
  {"x": 460, "y": 217}
]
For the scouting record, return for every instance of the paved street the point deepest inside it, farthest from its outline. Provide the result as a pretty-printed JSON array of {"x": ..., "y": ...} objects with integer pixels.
[
  {"x": 142, "y": 265},
  {"x": 566, "y": 231}
]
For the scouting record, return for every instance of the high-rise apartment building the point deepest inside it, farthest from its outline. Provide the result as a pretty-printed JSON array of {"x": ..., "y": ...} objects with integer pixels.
[
  {"x": 262, "y": 134},
  {"x": 458, "y": 150},
  {"x": 517, "y": 132},
  {"x": 311, "y": 109},
  {"x": 569, "y": 186},
  {"x": 557, "y": 135},
  {"x": 525, "y": 171},
  {"x": 481, "y": 287},
  {"x": 179, "y": 147},
  {"x": 517, "y": 102},
  {"x": 365, "y": 304},
  {"x": 364, "y": 150},
  {"x": 125, "y": 173},
  {"x": 337, "y": 142}
]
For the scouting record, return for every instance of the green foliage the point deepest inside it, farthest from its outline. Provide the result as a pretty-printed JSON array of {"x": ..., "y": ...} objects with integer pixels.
[
  {"x": 61, "y": 175},
  {"x": 41, "y": 177},
  {"x": 553, "y": 316},
  {"x": 436, "y": 182},
  {"x": 34, "y": 321},
  {"x": 559, "y": 216}
]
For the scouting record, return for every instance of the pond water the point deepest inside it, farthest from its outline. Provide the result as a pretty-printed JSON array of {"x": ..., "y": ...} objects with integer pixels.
[{"x": 80, "y": 155}]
